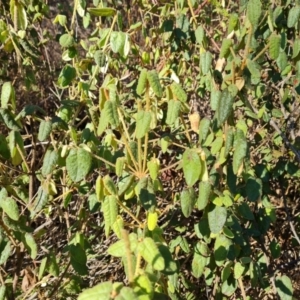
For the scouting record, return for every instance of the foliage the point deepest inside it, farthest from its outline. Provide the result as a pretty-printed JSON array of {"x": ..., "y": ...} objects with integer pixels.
[{"x": 174, "y": 136}]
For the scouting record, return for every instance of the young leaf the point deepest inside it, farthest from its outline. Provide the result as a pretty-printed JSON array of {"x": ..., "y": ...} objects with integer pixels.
[
  {"x": 44, "y": 130},
  {"x": 274, "y": 46},
  {"x": 217, "y": 218},
  {"x": 153, "y": 167},
  {"x": 239, "y": 154},
  {"x": 110, "y": 185},
  {"x": 204, "y": 193},
  {"x": 78, "y": 164},
  {"x": 142, "y": 82},
  {"x": 143, "y": 121},
  {"x": 254, "y": 11},
  {"x": 155, "y": 83},
  {"x": 191, "y": 166},
  {"x": 152, "y": 220},
  {"x": 187, "y": 201},
  {"x": 178, "y": 92},
  {"x": 173, "y": 111}
]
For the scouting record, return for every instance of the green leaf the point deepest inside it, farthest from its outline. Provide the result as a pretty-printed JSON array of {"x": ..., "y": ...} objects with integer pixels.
[
  {"x": 143, "y": 287},
  {"x": 110, "y": 212},
  {"x": 16, "y": 145},
  {"x": 178, "y": 92},
  {"x": 199, "y": 34},
  {"x": 118, "y": 249},
  {"x": 100, "y": 58},
  {"x": 228, "y": 141},
  {"x": 204, "y": 129},
  {"x": 9, "y": 119},
  {"x": 4, "y": 149},
  {"x": 232, "y": 23},
  {"x": 117, "y": 41},
  {"x": 99, "y": 291},
  {"x": 296, "y": 47},
  {"x": 191, "y": 166},
  {"x": 44, "y": 130},
  {"x": 111, "y": 112},
  {"x": 284, "y": 287},
  {"x": 142, "y": 82},
  {"x": 254, "y": 189},
  {"x": 216, "y": 145},
  {"x": 30, "y": 245},
  {"x": 238, "y": 270},
  {"x": 149, "y": 251},
  {"x": 254, "y": 11},
  {"x": 293, "y": 16},
  {"x": 198, "y": 264},
  {"x": 274, "y": 46},
  {"x": 245, "y": 211},
  {"x": 170, "y": 263},
  {"x": 239, "y": 154},
  {"x": 7, "y": 95},
  {"x": 5, "y": 251},
  {"x": 275, "y": 249},
  {"x": 10, "y": 207},
  {"x": 221, "y": 249},
  {"x": 40, "y": 201},
  {"x": 78, "y": 259},
  {"x": 229, "y": 286},
  {"x": 217, "y": 218},
  {"x": 225, "y": 106},
  {"x": 66, "y": 40},
  {"x": 204, "y": 193},
  {"x": 226, "y": 272},
  {"x": 155, "y": 83},
  {"x": 143, "y": 121},
  {"x": 101, "y": 12},
  {"x": 2, "y": 292},
  {"x": 67, "y": 74},
  {"x": 49, "y": 162},
  {"x": 215, "y": 97},
  {"x": 110, "y": 185},
  {"x": 78, "y": 164},
  {"x": 187, "y": 201},
  {"x": 18, "y": 15},
  {"x": 254, "y": 69},
  {"x": 205, "y": 62},
  {"x": 225, "y": 48},
  {"x": 173, "y": 111},
  {"x": 153, "y": 167}
]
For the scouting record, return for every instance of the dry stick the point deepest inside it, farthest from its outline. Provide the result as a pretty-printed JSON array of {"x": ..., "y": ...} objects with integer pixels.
[
  {"x": 240, "y": 281},
  {"x": 59, "y": 281},
  {"x": 130, "y": 213},
  {"x": 288, "y": 215}
]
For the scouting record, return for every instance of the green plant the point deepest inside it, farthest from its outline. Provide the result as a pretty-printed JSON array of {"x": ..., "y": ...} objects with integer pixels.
[{"x": 178, "y": 131}]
